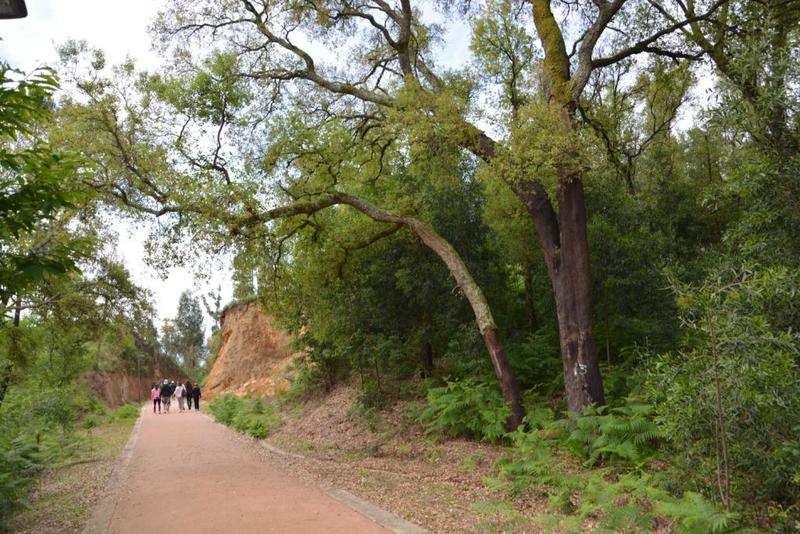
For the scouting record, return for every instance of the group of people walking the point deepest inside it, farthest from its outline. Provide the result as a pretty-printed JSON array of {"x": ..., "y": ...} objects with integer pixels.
[{"x": 163, "y": 394}]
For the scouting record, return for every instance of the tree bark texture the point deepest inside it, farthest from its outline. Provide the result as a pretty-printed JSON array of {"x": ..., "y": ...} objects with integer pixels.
[
  {"x": 563, "y": 235},
  {"x": 426, "y": 360},
  {"x": 508, "y": 381},
  {"x": 565, "y": 245}
]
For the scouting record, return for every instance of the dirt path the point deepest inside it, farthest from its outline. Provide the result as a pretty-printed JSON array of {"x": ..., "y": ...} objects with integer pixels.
[{"x": 187, "y": 470}]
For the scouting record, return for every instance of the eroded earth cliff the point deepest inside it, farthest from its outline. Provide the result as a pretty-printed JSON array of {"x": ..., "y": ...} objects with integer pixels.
[{"x": 253, "y": 356}]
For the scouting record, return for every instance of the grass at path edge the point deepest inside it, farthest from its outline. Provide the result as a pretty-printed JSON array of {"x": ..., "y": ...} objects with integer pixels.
[{"x": 65, "y": 493}]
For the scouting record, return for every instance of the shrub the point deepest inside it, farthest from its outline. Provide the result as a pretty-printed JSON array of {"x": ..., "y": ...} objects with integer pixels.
[
  {"x": 250, "y": 424},
  {"x": 225, "y": 408},
  {"x": 95, "y": 406},
  {"x": 55, "y": 407},
  {"x": 128, "y": 411},
  {"x": 729, "y": 399},
  {"x": 253, "y": 416},
  {"x": 470, "y": 408},
  {"x": 307, "y": 378},
  {"x": 20, "y": 458},
  {"x": 90, "y": 421},
  {"x": 626, "y": 433}
]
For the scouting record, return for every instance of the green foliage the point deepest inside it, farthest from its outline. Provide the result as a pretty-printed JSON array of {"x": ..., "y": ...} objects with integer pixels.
[
  {"x": 20, "y": 458},
  {"x": 306, "y": 379},
  {"x": 503, "y": 50},
  {"x": 728, "y": 400},
  {"x": 536, "y": 360},
  {"x": 39, "y": 432},
  {"x": 128, "y": 411},
  {"x": 254, "y": 417},
  {"x": 695, "y": 514},
  {"x": 34, "y": 185},
  {"x": 470, "y": 407},
  {"x": 184, "y": 335},
  {"x": 55, "y": 406},
  {"x": 619, "y": 496},
  {"x": 626, "y": 433}
]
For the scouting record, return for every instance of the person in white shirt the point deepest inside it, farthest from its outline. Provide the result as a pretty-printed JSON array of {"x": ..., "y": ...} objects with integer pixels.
[{"x": 180, "y": 394}]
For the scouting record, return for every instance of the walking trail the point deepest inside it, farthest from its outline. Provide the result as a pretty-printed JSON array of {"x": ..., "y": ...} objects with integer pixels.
[{"x": 186, "y": 470}]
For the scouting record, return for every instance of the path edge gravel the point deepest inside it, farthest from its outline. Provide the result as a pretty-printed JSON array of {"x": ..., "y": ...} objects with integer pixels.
[
  {"x": 382, "y": 517},
  {"x": 105, "y": 508}
]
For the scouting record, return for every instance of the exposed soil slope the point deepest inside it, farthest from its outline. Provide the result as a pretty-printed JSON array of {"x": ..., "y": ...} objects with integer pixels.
[
  {"x": 116, "y": 389},
  {"x": 252, "y": 356}
]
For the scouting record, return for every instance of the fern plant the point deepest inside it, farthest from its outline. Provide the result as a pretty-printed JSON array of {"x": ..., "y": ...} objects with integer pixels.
[
  {"x": 617, "y": 496},
  {"x": 469, "y": 408},
  {"x": 626, "y": 434},
  {"x": 693, "y": 514}
]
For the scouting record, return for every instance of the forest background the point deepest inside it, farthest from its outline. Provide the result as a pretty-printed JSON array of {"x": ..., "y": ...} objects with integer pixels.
[{"x": 531, "y": 234}]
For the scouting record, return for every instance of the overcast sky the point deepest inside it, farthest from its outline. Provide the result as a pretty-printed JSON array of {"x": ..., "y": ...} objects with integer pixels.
[{"x": 119, "y": 27}]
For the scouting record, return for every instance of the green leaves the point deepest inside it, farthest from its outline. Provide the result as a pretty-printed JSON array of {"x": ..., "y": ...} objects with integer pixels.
[
  {"x": 626, "y": 433},
  {"x": 731, "y": 391},
  {"x": 470, "y": 408},
  {"x": 184, "y": 335},
  {"x": 248, "y": 416},
  {"x": 36, "y": 186},
  {"x": 695, "y": 515}
]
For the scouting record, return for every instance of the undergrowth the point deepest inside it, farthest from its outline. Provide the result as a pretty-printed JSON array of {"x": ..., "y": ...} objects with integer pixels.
[
  {"x": 596, "y": 468},
  {"x": 252, "y": 416},
  {"x": 618, "y": 487},
  {"x": 469, "y": 408},
  {"x": 40, "y": 433}
]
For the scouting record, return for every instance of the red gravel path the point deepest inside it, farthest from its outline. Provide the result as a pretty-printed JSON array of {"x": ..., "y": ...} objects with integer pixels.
[{"x": 190, "y": 474}]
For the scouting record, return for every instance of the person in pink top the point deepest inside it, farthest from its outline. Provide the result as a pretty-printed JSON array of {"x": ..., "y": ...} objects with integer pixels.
[{"x": 155, "y": 394}]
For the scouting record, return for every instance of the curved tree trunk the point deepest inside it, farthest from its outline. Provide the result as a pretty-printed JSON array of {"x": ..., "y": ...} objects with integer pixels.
[
  {"x": 451, "y": 258},
  {"x": 473, "y": 293}
]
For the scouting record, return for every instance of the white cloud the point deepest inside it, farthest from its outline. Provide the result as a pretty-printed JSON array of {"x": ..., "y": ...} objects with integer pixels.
[{"x": 116, "y": 26}]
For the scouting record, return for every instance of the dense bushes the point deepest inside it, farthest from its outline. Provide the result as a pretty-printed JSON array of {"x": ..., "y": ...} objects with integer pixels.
[
  {"x": 621, "y": 492},
  {"x": 470, "y": 408},
  {"x": 729, "y": 400},
  {"x": 252, "y": 416},
  {"x": 38, "y": 431}
]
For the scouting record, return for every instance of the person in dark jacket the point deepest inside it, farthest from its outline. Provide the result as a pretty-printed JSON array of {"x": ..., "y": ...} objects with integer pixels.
[
  {"x": 189, "y": 391},
  {"x": 196, "y": 396},
  {"x": 166, "y": 395}
]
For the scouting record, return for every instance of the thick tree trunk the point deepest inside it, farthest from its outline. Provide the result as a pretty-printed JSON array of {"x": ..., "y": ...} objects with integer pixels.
[
  {"x": 565, "y": 245},
  {"x": 426, "y": 360},
  {"x": 563, "y": 236},
  {"x": 573, "y": 287}
]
